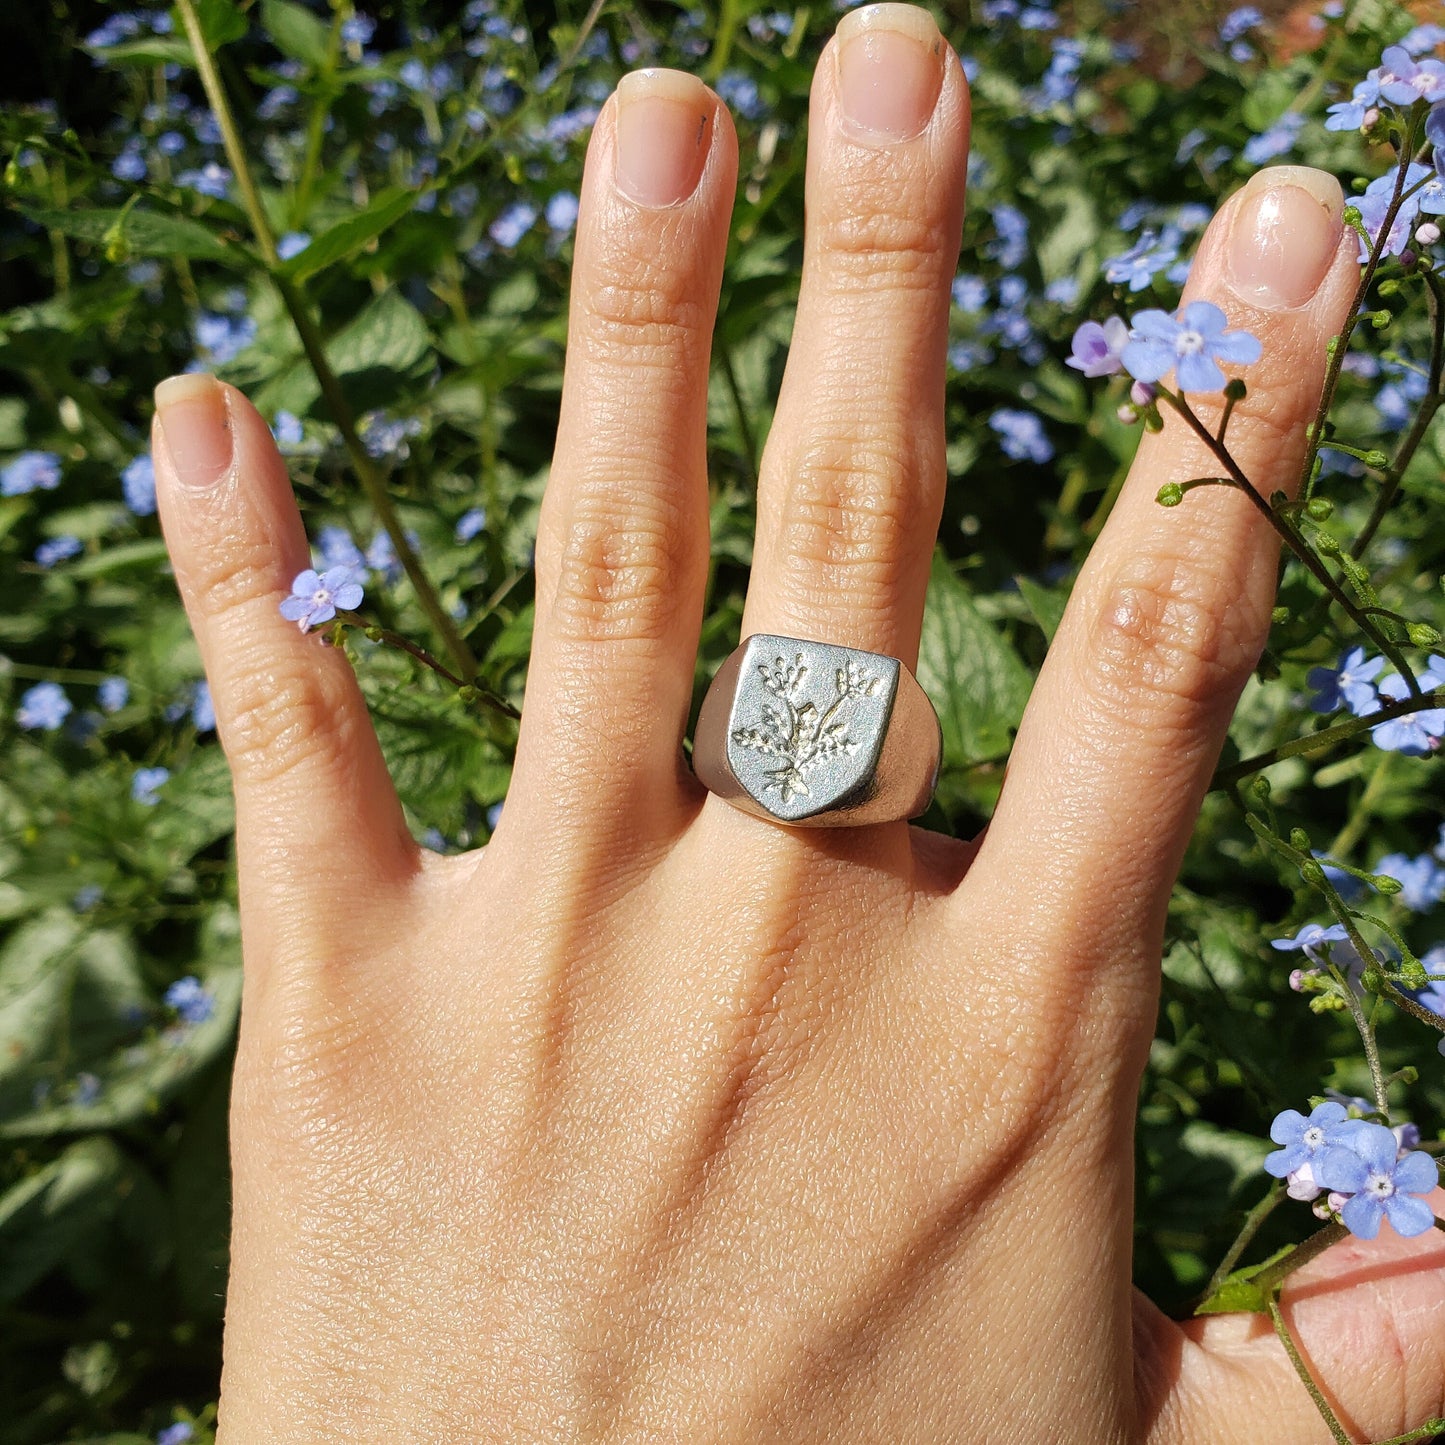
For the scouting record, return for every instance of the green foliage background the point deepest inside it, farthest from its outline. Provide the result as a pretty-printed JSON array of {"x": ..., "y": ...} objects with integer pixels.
[{"x": 113, "y": 1175}]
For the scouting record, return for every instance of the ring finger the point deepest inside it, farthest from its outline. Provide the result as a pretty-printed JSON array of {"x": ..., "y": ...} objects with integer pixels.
[{"x": 852, "y": 478}]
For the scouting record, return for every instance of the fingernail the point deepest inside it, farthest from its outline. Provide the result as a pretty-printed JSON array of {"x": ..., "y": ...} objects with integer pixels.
[
  {"x": 196, "y": 428},
  {"x": 890, "y": 70},
  {"x": 664, "y": 130},
  {"x": 1285, "y": 235}
]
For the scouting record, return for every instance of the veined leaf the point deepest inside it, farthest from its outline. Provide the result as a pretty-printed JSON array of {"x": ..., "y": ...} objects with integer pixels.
[
  {"x": 141, "y": 233},
  {"x": 350, "y": 235}
]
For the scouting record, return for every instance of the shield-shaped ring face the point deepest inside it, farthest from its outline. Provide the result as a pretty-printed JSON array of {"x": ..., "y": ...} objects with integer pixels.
[{"x": 807, "y": 724}]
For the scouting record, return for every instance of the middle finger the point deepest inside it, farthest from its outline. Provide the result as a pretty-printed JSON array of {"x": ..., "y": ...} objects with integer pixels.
[{"x": 852, "y": 478}]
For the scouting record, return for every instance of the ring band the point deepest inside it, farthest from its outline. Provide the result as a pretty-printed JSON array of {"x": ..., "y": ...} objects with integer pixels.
[{"x": 818, "y": 736}]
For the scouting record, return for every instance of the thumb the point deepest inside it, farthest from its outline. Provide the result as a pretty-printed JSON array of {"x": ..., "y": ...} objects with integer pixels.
[{"x": 1368, "y": 1318}]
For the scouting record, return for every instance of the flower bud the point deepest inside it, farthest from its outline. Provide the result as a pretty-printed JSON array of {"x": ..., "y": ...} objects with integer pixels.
[
  {"x": 1279, "y": 616},
  {"x": 1427, "y": 233},
  {"x": 1384, "y": 883},
  {"x": 1297, "y": 978},
  {"x": 1370, "y": 120},
  {"x": 1236, "y": 389},
  {"x": 1409, "y": 259},
  {"x": 1142, "y": 393},
  {"x": 1170, "y": 494},
  {"x": 1407, "y": 1136},
  {"x": 1421, "y": 634},
  {"x": 1381, "y": 319},
  {"x": 1301, "y": 1183},
  {"x": 1127, "y": 414},
  {"x": 1320, "y": 509},
  {"x": 1298, "y": 838}
]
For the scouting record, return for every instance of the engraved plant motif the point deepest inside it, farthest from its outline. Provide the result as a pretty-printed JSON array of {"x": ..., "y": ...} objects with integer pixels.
[{"x": 794, "y": 731}]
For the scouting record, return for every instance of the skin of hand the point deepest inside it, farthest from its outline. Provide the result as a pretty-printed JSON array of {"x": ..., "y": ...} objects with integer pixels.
[{"x": 654, "y": 1121}]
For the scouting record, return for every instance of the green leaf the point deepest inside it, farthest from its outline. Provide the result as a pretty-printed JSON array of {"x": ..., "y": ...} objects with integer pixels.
[
  {"x": 388, "y": 335},
  {"x": 296, "y": 32},
  {"x": 221, "y": 22},
  {"x": 43, "y": 1217},
  {"x": 975, "y": 678},
  {"x": 1046, "y": 603},
  {"x": 1238, "y": 1292},
  {"x": 149, "y": 50},
  {"x": 137, "y": 232},
  {"x": 33, "y": 986},
  {"x": 350, "y": 235},
  {"x": 143, "y": 555}
]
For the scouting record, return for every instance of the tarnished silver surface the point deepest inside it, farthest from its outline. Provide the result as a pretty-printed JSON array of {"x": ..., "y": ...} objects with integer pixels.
[{"x": 817, "y": 736}]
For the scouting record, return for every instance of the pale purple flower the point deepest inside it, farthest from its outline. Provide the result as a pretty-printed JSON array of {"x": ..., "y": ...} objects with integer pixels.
[
  {"x": 316, "y": 598},
  {"x": 293, "y": 243},
  {"x": 1139, "y": 265},
  {"x": 44, "y": 706},
  {"x": 113, "y": 694},
  {"x": 471, "y": 523},
  {"x": 178, "y": 1434},
  {"x": 146, "y": 784},
  {"x": 1314, "y": 939},
  {"x": 1099, "y": 349},
  {"x": 1382, "y": 1183},
  {"x": 58, "y": 549},
  {"x": 1308, "y": 1140},
  {"x": 203, "y": 710},
  {"x": 1021, "y": 435},
  {"x": 190, "y": 999},
  {"x": 138, "y": 482},
  {"x": 1301, "y": 1183},
  {"x": 1417, "y": 734},
  {"x": 30, "y": 472},
  {"x": 1194, "y": 346},
  {"x": 1404, "y": 80},
  {"x": 211, "y": 179},
  {"x": 1349, "y": 684}
]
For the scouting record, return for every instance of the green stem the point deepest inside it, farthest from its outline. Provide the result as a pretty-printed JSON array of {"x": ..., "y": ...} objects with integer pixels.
[
  {"x": 1302, "y": 1370},
  {"x": 1342, "y": 342},
  {"x": 745, "y": 426},
  {"x": 366, "y": 470},
  {"x": 727, "y": 27},
  {"x": 1359, "y": 819},
  {"x": 1325, "y": 738},
  {"x": 1429, "y": 404},
  {"x": 1270, "y": 1279},
  {"x": 316, "y": 126},
  {"x": 1357, "y": 1013},
  {"x": 1291, "y": 538},
  {"x": 1423, "y": 1432},
  {"x": 405, "y": 644},
  {"x": 1251, "y": 1226}
]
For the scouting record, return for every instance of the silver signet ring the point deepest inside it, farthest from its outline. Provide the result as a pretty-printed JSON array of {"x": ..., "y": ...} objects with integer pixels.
[{"x": 817, "y": 736}]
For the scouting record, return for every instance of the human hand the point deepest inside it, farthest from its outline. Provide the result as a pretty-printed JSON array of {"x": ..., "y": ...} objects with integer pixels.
[{"x": 653, "y": 1120}]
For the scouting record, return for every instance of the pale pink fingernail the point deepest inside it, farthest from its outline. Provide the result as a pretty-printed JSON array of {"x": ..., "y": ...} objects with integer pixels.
[
  {"x": 195, "y": 427},
  {"x": 1285, "y": 235},
  {"x": 890, "y": 70},
  {"x": 664, "y": 132}
]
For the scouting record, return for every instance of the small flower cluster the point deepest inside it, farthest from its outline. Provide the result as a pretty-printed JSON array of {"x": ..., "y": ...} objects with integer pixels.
[
  {"x": 1156, "y": 343},
  {"x": 317, "y": 597},
  {"x": 1401, "y": 81},
  {"x": 1369, "y": 1173},
  {"x": 1352, "y": 684}
]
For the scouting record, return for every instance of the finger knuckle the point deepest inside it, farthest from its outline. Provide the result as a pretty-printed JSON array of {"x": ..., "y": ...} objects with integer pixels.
[
  {"x": 283, "y": 720},
  {"x": 642, "y": 307},
  {"x": 231, "y": 579},
  {"x": 849, "y": 515},
  {"x": 1173, "y": 637},
  {"x": 903, "y": 245},
  {"x": 620, "y": 560}
]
